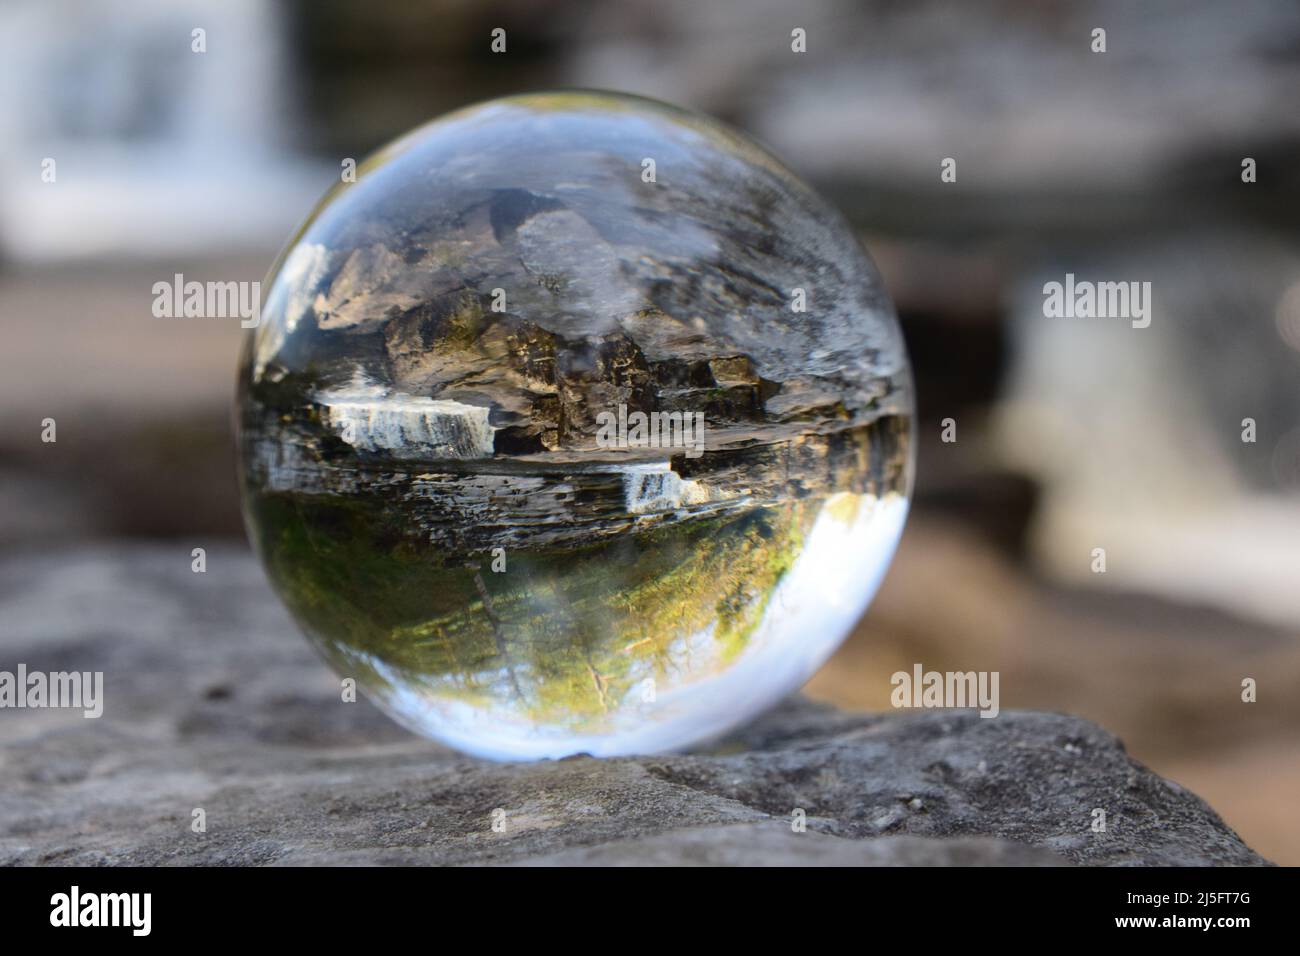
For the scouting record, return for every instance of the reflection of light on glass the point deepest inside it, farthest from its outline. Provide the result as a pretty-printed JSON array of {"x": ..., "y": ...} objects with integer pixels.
[
  {"x": 1288, "y": 316},
  {"x": 1286, "y": 459}
]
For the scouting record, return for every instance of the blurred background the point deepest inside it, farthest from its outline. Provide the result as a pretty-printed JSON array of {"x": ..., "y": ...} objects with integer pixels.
[{"x": 1072, "y": 434}]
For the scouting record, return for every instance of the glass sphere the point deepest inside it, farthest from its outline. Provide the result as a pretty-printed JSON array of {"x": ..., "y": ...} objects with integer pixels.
[{"x": 576, "y": 423}]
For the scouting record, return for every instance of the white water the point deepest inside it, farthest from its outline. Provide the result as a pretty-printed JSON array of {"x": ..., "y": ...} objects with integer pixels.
[{"x": 370, "y": 420}]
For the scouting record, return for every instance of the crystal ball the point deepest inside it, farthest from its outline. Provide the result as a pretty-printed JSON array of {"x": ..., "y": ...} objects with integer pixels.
[{"x": 574, "y": 423}]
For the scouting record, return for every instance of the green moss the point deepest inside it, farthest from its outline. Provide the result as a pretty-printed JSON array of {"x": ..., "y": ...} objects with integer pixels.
[
  {"x": 563, "y": 634},
  {"x": 464, "y": 324}
]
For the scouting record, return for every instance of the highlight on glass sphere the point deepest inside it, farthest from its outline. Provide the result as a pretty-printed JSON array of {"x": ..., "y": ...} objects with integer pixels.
[{"x": 576, "y": 424}]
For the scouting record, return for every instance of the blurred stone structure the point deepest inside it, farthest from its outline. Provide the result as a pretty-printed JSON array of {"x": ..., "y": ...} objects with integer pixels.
[{"x": 1072, "y": 433}]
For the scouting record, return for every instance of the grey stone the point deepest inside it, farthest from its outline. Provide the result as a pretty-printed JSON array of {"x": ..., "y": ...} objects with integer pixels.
[
  {"x": 761, "y": 844},
  {"x": 212, "y": 702}
]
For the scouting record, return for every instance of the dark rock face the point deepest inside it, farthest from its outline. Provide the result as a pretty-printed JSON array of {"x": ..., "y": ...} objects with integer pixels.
[
  {"x": 514, "y": 256},
  {"x": 212, "y": 702}
]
